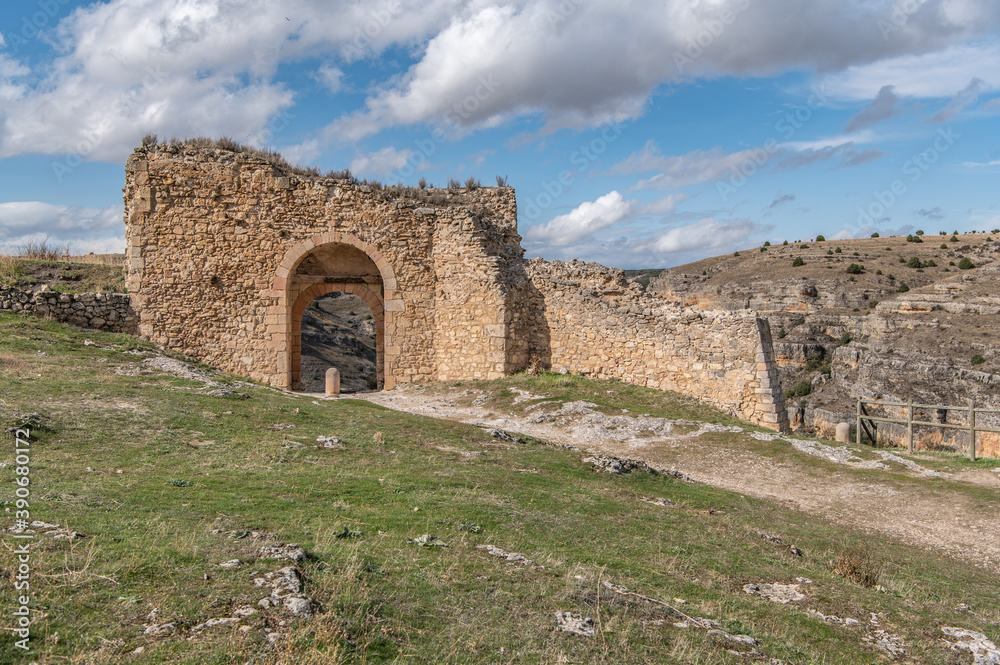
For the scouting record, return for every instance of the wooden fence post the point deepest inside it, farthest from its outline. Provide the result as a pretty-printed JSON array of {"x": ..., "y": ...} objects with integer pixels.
[
  {"x": 909, "y": 426},
  {"x": 858, "y": 432},
  {"x": 972, "y": 430}
]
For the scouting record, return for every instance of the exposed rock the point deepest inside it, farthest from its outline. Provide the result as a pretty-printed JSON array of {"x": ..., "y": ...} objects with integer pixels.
[
  {"x": 568, "y": 622},
  {"x": 984, "y": 651},
  {"x": 618, "y": 465},
  {"x": 427, "y": 540},
  {"x": 512, "y": 557},
  {"x": 291, "y": 552},
  {"x": 776, "y": 593}
]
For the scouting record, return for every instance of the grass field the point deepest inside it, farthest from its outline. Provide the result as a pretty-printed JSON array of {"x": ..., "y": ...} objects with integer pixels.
[{"x": 168, "y": 479}]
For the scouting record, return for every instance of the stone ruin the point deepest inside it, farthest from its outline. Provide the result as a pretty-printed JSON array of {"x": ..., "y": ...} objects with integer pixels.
[{"x": 226, "y": 250}]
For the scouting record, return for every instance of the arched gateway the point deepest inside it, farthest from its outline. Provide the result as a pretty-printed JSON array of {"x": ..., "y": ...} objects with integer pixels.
[{"x": 226, "y": 250}]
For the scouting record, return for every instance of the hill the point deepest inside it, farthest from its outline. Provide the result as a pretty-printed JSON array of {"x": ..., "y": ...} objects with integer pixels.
[
  {"x": 179, "y": 515},
  {"x": 911, "y": 320}
]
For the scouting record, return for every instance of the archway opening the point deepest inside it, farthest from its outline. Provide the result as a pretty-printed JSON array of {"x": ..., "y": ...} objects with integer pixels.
[
  {"x": 338, "y": 330},
  {"x": 337, "y": 317}
]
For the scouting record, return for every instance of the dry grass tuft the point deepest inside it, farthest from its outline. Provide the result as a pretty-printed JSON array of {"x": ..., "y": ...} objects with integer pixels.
[
  {"x": 860, "y": 565},
  {"x": 42, "y": 251}
]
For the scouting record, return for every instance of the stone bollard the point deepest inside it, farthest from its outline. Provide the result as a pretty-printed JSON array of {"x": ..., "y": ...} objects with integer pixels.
[
  {"x": 843, "y": 432},
  {"x": 333, "y": 382}
]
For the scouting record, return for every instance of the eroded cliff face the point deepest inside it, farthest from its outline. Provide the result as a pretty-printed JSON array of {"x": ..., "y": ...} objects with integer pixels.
[{"x": 837, "y": 340}]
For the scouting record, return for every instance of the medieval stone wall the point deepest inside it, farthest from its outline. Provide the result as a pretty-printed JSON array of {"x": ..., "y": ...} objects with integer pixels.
[
  {"x": 111, "y": 312},
  {"x": 218, "y": 242},
  {"x": 226, "y": 250},
  {"x": 598, "y": 324}
]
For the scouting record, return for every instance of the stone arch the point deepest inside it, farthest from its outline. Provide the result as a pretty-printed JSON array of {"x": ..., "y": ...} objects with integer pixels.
[
  {"x": 370, "y": 297},
  {"x": 293, "y": 296}
]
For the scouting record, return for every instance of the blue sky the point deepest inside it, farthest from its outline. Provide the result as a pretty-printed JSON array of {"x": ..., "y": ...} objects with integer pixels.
[{"x": 637, "y": 134}]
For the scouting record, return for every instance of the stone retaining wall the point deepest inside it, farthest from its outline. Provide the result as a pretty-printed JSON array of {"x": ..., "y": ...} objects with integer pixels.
[{"x": 111, "y": 312}]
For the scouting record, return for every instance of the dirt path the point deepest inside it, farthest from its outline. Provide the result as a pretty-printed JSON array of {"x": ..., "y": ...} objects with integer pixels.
[{"x": 925, "y": 512}]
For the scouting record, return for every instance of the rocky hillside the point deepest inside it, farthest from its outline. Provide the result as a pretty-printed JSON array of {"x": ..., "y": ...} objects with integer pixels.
[
  {"x": 338, "y": 331},
  {"x": 884, "y": 318}
]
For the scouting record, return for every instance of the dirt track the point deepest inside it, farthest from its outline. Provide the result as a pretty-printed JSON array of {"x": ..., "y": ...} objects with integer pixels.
[{"x": 928, "y": 513}]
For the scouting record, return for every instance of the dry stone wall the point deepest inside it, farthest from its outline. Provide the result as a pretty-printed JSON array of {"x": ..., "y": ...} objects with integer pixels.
[
  {"x": 225, "y": 251},
  {"x": 600, "y": 325},
  {"x": 111, "y": 312}
]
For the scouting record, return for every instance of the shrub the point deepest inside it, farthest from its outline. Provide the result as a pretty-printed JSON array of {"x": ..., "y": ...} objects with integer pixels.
[
  {"x": 804, "y": 247},
  {"x": 902, "y": 260},
  {"x": 944, "y": 246},
  {"x": 891, "y": 276},
  {"x": 855, "y": 269},
  {"x": 820, "y": 238},
  {"x": 798, "y": 262},
  {"x": 914, "y": 262},
  {"x": 878, "y": 272},
  {"x": 966, "y": 264},
  {"x": 422, "y": 184},
  {"x": 453, "y": 184},
  {"x": 837, "y": 250},
  {"x": 472, "y": 183},
  {"x": 846, "y": 338},
  {"x": 954, "y": 238},
  {"x": 875, "y": 235},
  {"x": 502, "y": 181},
  {"x": 903, "y": 288},
  {"x": 856, "y": 254},
  {"x": 801, "y": 389},
  {"x": 763, "y": 249},
  {"x": 930, "y": 263},
  {"x": 920, "y": 232},
  {"x": 785, "y": 243},
  {"x": 767, "y": 243},
  {"x": 736, "y": 253},
  {"x": 829, "y": 252},
  {"x": 977, "y": 360}
]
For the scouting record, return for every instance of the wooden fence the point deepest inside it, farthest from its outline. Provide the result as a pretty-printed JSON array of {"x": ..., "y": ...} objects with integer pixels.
[{"x": 865, "y": 420}]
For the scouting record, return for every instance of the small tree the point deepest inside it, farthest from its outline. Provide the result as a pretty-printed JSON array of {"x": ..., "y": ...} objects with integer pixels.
[
  {"x": 855, "y": 269},
  {"x": 820, "y": 238},
  {"x": 920, "y": 232},
  {"x": 798, "y": 262},
  {"x": 966, "y": 263},
  {"x": 875, "y": 235},
  {"x": 914, "y": 262},
  {"x": 903, "y": 288},
  {"x": 837, "y": 250},
  {"x": 977, "y": 360}
]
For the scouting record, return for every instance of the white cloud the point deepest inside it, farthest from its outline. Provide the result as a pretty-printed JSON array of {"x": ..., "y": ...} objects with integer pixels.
[
  {"x": 928, "y": 75},
  {"x": 692, "y": 168},
  {"x": 331, "y": 77},
  {"x": 707, "y": 234},
  {"x": 382, "y": 162},
  {"x": 662, "y": 206},
  {"x": 962, "y": 98},
  {"x": 587, "y": 218},
  {"x": 540, "y": 56},
  {"x": 85, "y": 229}
]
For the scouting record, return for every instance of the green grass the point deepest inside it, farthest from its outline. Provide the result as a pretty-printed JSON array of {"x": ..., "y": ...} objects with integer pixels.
[{"x": 192, "y": 464}]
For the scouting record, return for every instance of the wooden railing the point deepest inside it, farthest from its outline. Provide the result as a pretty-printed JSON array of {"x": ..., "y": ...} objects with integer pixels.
[{"x": 867, "y": 422}]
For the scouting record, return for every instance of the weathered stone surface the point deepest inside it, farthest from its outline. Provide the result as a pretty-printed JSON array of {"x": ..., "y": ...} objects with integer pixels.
[
  {"x": 225, "y": 251},
  {"x": 103, "y": 311}
]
